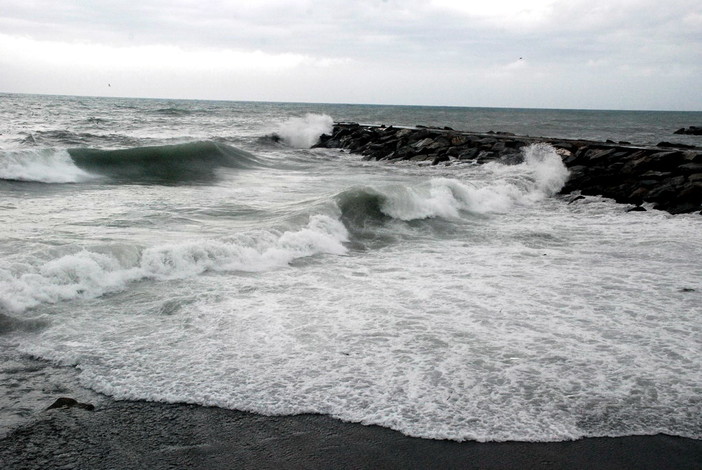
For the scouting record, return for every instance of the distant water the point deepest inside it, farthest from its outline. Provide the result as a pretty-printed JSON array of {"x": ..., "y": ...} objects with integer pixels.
[{"x": 173, "y": 251}]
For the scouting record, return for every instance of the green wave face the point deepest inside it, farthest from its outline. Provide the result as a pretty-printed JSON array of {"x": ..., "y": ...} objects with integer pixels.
[{"x": 195, "y": 162}]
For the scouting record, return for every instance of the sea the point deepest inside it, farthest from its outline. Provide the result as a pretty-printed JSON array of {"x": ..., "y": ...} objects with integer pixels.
[{"x": 202, "y": 252}]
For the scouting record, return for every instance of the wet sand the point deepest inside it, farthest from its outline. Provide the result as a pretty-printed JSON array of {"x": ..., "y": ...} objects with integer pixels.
[{"x": 141, "y": 435}]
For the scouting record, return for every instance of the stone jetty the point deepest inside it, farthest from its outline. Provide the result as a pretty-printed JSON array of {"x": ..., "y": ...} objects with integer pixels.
[{"x": 668, "y": 175}]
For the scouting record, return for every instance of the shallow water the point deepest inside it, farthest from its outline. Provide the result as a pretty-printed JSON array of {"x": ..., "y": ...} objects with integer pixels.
[{"x": 169, "y": 251}]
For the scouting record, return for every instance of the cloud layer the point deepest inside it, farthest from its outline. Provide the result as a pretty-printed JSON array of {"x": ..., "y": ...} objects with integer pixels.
[{"x": 627, "y": 54}]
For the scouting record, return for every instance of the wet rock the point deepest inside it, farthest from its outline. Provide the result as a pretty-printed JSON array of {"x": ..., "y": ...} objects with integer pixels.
[
  {"x": 692, "y": 130},
  {"x": 667, "y": 176},
  {"x": 439, "y": 159},
  {"x": 66, "y": 402},
  {"x": 690, "y": 168},
  {"x": 576, "y": 198},
  {"x": 672, "y": 145}
]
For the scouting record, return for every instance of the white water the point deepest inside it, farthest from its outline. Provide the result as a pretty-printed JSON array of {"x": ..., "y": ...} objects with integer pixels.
[
  {"x": 87, "y": 274},
  {"x": 540, "y": 328},
  {"x": 303, "y": 132},
  {"x": 42, "y": 165},
  {"x": 476, "y": 305}
]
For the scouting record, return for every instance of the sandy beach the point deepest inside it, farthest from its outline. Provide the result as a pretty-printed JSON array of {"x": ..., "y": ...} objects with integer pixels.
[{"x": 132, "y": 435}]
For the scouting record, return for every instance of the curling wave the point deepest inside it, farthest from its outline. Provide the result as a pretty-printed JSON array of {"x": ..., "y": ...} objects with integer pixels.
[
  {"x": 190, "y": 162},
  {"x": 542, "y": 174},
  {"x": 167, "y": 164}
]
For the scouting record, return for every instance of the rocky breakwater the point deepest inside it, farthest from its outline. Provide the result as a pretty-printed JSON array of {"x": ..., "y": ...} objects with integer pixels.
[{"x": 669, "y": 176}]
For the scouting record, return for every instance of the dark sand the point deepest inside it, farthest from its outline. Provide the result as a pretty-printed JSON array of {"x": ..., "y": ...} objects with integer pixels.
[{"x": 140, "y": 435}]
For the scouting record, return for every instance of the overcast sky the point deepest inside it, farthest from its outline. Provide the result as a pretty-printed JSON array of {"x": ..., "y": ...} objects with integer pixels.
[{"x": 602, "y": 54}]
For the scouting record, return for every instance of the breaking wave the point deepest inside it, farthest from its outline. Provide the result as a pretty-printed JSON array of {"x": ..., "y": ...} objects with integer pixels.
[
  {"x": 169, "y": 164},
  {"x": 40, "y": 165},
  {"x": 542, "y": 174},
  {"x": 303, "y": 132},
  {"x": 90, "y": 274}
]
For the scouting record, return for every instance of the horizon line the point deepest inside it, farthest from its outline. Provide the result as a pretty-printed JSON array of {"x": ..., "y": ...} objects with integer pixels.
[{"x": 354, "y": 104}]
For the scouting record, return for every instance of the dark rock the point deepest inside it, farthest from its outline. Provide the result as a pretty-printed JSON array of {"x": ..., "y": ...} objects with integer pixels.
[
  {"x": 65, "y": 402},
  {"x": 457, "y": 140},
  {"x": 649, "y": 183},
  {"x": 638, "y": 195},
  {"x": 692, "y": 130},
  {"x": 692, "y": 157},
  {"x": 657, "y": 175},
  {"x": 469, "y": 154},
  {"x": 439, "y": 159},
  {"x": 636, "y": 209},
  {"x": 670, "y": 177},
  {"x": 673, "y": 145},
  {"x": 512, "y": 159},
  {"x": 690, "y": 168}
]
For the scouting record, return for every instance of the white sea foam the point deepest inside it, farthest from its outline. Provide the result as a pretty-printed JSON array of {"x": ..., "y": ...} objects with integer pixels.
[
  {"x": 86, "y": 274},
  {"x": 40, "y": 165},
  {"x": 303, "y": 132},
  {"x": 434, "y": 338},
  {"x": 541, "y": 175},
  {"x": 522, "y": 318}
]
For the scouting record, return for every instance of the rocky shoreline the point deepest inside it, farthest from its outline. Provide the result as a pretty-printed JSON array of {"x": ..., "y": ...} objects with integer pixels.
[{"x": 668, "y": 176}]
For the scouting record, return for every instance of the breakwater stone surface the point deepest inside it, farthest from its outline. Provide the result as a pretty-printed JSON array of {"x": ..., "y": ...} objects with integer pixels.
[{"x": 668, "y": 175}]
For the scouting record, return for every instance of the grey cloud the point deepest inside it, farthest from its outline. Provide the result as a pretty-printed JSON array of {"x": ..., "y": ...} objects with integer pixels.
[{"x": 598, "y": 44}]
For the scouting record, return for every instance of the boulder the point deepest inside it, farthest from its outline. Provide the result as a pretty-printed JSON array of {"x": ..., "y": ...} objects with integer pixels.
[
  {"x": 692, "y": 130},
  {"x": 66, "y": 402},
  {"x": 669, "y": 176}
]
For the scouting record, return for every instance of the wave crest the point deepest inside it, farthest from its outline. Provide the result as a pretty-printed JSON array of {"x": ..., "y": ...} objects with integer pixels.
[
  {"x": 88, "y": 274},
  {"x": 190, "y": 162},
  {"x": 542, "y": 174},
  {"x": 40, "y": 165}
]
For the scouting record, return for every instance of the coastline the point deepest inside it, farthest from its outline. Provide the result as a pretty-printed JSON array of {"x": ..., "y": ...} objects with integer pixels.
[
  {"x": 668, "y": 175},
  {"x": 137, "y": 434},
  {"x": 132, "y": 434}
]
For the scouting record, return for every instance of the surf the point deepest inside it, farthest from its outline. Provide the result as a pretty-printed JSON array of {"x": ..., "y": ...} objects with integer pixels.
[
  {"x": 41, "y": 166},
  {"x": 87, "y": 274}
]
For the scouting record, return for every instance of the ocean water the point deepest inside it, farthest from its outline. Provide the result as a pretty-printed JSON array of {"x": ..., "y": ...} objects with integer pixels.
[{"x": 173, "y": 251}]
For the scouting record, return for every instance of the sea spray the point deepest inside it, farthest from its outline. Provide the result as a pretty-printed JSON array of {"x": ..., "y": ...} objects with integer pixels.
[
  {"x": 540, "y": 175},
  {"x": 40, "y": 165},
  {"x": 549, "y": 172},
  {"x": 303, "y": 132}
]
